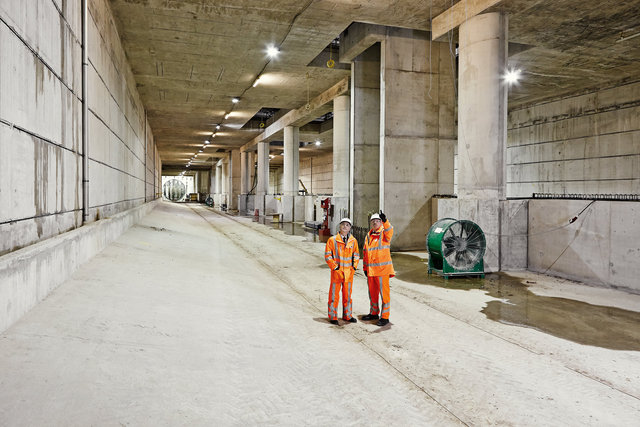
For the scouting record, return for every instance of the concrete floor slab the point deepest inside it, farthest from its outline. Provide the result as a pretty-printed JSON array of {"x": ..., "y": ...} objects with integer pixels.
[{"x": 193, "y": 317}]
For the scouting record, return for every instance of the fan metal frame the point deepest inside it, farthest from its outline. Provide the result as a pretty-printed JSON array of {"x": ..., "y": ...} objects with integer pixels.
[{"x": 456, "y": 248}]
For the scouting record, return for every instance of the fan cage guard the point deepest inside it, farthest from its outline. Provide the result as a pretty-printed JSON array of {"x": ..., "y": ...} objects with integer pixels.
[{"x": 456, "y": 247}]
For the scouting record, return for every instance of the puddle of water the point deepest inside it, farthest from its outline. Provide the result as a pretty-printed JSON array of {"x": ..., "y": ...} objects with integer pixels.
[
  {"x": 293, "y": 229},
  {"x": 577, "y": 321}
]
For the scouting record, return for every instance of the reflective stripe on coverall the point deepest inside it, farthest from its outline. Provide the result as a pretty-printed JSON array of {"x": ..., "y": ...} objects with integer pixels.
[
  {"x": 346, "y": 257},
  {"x": 376, "y": 258}
]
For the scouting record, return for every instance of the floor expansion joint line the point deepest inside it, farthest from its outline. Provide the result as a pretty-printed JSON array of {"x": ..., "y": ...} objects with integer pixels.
[{"x": 291, "y": 286}]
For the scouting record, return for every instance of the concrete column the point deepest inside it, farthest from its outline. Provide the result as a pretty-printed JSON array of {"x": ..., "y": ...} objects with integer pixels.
[
  {"x": 244, "y": 172},
  {"x": 218, "y": 178},
  {"x": 234, "y": 179},
  {"x": 341, "y": 149},
  {"x": 482, "y": 130},
  {"x": 482, "y": 107},
  {"x": 263, "y": 168},
  {"x": 291, "y": 160},
  {"x": 365, "y": 134},
  {"x": 253, "y": 157},
  {"x": 212, "y": 181},
  {"x": 225, "y": 176}
]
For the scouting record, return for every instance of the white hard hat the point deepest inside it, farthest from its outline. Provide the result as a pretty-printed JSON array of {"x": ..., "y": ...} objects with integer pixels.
[
  {"x": 346, "y": 220},
  {"x": 375, "y": 216}
]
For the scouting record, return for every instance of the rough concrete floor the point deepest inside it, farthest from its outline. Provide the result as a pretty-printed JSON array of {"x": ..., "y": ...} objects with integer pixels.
[{"x": 196, "y": 318}]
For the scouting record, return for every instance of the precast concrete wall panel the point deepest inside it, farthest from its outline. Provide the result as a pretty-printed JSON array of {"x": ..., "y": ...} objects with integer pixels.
[
  {"x": 41, "y": 121},
  {"x": 116, "y": 129},
  {"x": 584, "y": 144},
  {"x": 40, "y": 126},
  {"x": 317, "y": 174},
  {"x": 601, "y": 247}
]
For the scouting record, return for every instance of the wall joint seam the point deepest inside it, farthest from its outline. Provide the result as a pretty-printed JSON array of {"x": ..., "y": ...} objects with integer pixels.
[
  {"x": 35, "y": 135},
  {"x": 40, "y": 58}
]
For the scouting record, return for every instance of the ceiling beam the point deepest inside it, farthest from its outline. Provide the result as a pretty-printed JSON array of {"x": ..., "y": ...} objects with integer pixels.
[
  {"x": 303, "y": 115},
  {"x": 457, "y": 14}
]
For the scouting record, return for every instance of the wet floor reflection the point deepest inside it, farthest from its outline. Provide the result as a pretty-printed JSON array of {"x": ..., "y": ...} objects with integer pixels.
[
  {"x": 293, "y": 229},
  {"x": 577, "y": 321}
]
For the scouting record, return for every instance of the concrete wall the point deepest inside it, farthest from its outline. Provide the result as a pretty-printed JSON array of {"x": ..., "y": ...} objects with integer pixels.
[
  {"x": 582, "y": 144},
  {"x": 116, "y": 121},
  {"x": 601, "y": 247},
  {"x": 276, "y": 180},
  {"x": 418, "y": 135},
  {"x": 316, "y": 173},
  {"x": 203, "y": 181},
  {"x": 41, "y": 122}
]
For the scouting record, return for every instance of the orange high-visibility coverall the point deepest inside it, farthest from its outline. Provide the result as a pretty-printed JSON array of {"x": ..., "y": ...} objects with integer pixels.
[
  {"x": 376, "y": 255},
  {"x": 344, "y": 257}
]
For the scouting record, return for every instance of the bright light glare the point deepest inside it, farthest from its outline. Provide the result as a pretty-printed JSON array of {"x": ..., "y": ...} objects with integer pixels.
[
  {"x": 217, "y": 126},
  {"x": 227, "y": 116},
  {"x": 318, "y": 142},
  {"x": 272, "y": 51},
  {"x": 207, "y": 142},
  {"x": 512, "y": 76},
  {"x": 235, "y": 100}
]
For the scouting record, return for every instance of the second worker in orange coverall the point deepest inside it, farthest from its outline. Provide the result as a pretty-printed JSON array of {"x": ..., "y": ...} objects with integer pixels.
[
  {"x": 342, "y": 255},
  {"x": 377, "y": 266}
]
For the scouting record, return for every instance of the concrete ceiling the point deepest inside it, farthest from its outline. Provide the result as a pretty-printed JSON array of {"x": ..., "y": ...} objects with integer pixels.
[{"x": 191, "y": 57}]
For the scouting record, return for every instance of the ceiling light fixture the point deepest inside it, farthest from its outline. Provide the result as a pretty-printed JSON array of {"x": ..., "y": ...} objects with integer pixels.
[
  {"x": 226, "y": 116},
  {"x": 235, "y": 100},
  {"x": 207, "y": 142},
  {"x": 272, "y": 51},
  {"x": 318, "y": 142},
  {"x": 217, "y": 127},
  {"x": 512, "y": 76}
]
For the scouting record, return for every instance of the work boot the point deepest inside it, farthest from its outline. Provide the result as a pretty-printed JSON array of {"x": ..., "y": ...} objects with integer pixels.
[
  {"x": 382, "y": 322},
  {"x": 352, "y": 320},
  {"x": 370, "y": 317},
  {"x": 333, "y": 321}
]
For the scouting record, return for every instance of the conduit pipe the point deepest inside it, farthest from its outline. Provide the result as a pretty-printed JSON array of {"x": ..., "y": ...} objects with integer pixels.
[{"x": 85, "y": 114}]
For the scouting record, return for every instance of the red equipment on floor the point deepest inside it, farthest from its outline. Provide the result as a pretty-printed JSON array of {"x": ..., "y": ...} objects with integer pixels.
[{"x": 328, "y": 213}]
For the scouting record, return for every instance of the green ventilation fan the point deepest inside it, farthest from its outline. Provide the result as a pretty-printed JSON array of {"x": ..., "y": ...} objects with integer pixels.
[{"x": 456, "y": 248}]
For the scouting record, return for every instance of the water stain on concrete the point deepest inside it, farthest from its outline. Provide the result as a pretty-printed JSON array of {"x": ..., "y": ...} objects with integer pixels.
[{"x": 577, "y": 321}]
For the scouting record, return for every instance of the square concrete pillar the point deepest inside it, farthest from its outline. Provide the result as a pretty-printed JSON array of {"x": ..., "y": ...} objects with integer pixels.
[
  {"x": 299, "y": 208},
  {"x": 287, "y": 208}
]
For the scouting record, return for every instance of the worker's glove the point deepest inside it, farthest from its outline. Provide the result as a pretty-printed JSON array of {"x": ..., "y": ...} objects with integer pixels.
[
  {"x": 337, "y": 268},
  {"x": 383, "y": 217}
]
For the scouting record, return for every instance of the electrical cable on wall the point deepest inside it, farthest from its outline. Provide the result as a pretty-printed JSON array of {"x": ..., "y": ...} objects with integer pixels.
[{"x": 575, "y": 236}]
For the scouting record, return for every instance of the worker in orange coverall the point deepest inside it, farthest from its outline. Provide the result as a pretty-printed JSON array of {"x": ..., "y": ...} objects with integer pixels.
[
  {"x": 342, "y": 255},
  {"x": 378, "y": 267}
]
